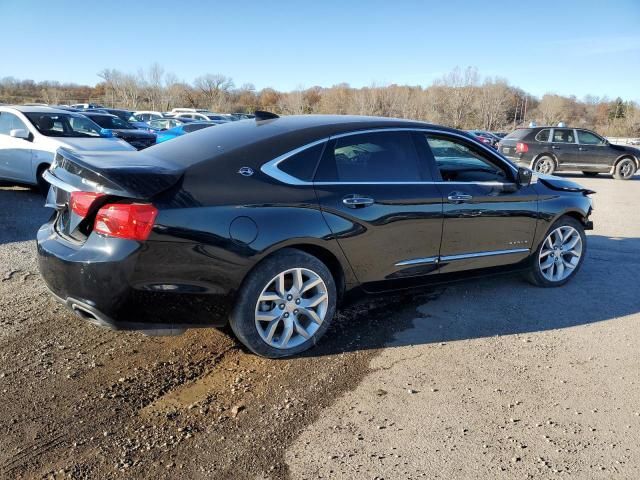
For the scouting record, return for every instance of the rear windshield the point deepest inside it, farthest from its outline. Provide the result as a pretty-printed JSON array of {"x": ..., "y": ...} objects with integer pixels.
[{"x": 518, "y": 134}]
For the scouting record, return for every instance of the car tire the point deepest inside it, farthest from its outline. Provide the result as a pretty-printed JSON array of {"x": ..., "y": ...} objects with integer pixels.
[
  {"x": 273, "y": 308},
  {"x": 544, "y": 164},
  {"x": 625, "y": 169},
  {"x": 560, "y": 254},
  {"x": 590, "y": 174},
  {"x": 42, "y": 186}
]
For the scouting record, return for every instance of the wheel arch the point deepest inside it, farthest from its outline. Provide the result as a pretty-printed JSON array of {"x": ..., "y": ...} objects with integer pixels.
[{"x": 626, "y": 155}]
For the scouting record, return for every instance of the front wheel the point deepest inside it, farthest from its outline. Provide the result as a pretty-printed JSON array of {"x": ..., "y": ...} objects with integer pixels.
[
  {"x": 560, "y": 255},
  {"x": 545, "y": 165},
  {"x": 285, "y": 305},
  {"x": 625, "y": 169}
]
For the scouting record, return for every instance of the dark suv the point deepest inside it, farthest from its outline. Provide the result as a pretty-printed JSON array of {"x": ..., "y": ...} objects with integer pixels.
[{"x": 551, "y": 149}]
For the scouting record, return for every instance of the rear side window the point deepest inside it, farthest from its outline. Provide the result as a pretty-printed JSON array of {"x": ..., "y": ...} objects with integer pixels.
[
  {"x": 563, "y": 135},
  {"x": 543, "y": 135},
  {"x": 518, "y": 134},
  {"x": 302, "y": 165},
  {"x": 371, "y": 157}
]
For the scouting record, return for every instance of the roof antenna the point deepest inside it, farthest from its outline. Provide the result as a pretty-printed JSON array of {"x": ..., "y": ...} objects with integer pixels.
[{"x": 262, "y": 115}]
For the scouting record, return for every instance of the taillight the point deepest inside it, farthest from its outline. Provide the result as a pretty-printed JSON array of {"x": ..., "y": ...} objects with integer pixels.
[
  {"x": 133, "y": 221},
  {"x": 81, "y": 202},
  {"x": 522, "y": 147}
]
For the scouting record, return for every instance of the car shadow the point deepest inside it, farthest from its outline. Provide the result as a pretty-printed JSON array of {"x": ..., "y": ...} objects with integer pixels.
[
  {"x": 605, "y": 289},
  {"x": 22, "y": 212}
]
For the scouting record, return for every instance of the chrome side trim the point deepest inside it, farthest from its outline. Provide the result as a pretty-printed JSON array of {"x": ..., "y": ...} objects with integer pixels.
[
  {"x": 492, "y": 253},
  {"x": 56, "y": 182},
  {"x": 417, "y": 261},
  {"x": 271, "y": 167}
]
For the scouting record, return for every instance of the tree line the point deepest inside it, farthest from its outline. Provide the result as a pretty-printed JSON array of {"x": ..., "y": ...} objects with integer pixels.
[{"x": 460, "y": 99}]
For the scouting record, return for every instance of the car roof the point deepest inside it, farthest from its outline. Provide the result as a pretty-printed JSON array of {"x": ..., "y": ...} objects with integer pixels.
[
  {"x": 263, "y": 140},
  {"x": 35, "y": 109}
]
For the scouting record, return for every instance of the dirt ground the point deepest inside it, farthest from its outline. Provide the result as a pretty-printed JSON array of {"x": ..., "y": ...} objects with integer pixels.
[{"x": 485, "y": 379}]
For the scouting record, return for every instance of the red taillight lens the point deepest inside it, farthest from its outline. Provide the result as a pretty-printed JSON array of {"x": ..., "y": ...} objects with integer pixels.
[
  {"x": 81, "y": 202},
  {"x": 522, "y": 147},
  {"x": 126, "y": 220}
]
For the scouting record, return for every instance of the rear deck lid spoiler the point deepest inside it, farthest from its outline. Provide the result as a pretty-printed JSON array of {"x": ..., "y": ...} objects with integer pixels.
[{"x": 126, "y": 174}]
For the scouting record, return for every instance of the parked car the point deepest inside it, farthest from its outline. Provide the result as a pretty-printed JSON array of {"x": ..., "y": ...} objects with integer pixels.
[
  {"x": 162, "y": 124},
  {"x": 86, "y": 106},
  {"x": 551, "y": 149},
  {"x": 487, "y": 138},
  {"x": 30, "y": 137},
  {"x": 147, "y": 116},
  {"x": 500, "y": 135},
  {"x": 205, "y": 116},
  {"x": 268, "y": 224},
  {"x": 121, "y": 129},
  {"x": 193, "y": 126}
]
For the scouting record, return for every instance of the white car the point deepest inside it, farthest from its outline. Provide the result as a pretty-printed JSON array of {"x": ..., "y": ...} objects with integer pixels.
[{"x": 30, "y": 137}]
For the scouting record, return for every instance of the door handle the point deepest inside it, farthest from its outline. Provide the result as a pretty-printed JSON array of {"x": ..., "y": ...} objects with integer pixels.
[
  {"x": 553, "y": 147},
  {"x": 583, "y": 149},
  {"x": 458, "y": 197},
  {"x": 357, "y": 201}
]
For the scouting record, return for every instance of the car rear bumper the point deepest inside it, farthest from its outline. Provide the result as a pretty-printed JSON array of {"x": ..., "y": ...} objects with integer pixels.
[{"x": 101, "y": 282}]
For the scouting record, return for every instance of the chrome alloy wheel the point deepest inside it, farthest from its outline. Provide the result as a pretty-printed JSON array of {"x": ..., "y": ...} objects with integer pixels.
[
  {"x": 291, "y": 308},
  {"x": 627, "y": 168},
  {"x": 560, "y": 253},
  {"x": 544, "y": 165}
]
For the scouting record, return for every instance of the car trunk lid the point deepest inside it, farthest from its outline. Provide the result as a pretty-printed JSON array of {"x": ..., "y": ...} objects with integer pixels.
[{"x": 122, "y": 177}]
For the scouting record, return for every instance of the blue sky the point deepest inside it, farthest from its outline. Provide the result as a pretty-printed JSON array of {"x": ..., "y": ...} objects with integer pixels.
[{"x": 566, "y": 46}]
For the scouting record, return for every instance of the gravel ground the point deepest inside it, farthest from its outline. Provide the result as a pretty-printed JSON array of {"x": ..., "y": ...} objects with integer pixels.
[{"x": 466, "y": 381}]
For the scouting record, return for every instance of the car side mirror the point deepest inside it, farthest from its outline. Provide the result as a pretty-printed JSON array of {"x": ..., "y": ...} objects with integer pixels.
[
  {"x": 523, "y": 177},
  {"x": 19, "y": 133}
]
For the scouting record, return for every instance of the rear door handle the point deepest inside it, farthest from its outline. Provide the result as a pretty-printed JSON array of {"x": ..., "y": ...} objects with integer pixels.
[
  {"x": 582, "y": 149},
  {"x": 357, "y": 201},
  {"x": 458, "y": 197},
  {"x": 553, "y": 147}
]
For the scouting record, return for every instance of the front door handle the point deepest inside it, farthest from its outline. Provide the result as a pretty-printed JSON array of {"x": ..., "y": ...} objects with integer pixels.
[
  {"x": 458, "y": 197},
  {"x": 554, "y": 147},
  {"x": 582, "y": 149},
  {"x": 357, "y": 201}
]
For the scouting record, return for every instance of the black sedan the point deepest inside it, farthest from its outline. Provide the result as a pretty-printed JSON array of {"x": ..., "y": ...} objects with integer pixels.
[
  {"x": 122, "y": 129},
  {"x": 268, "y": 224}
]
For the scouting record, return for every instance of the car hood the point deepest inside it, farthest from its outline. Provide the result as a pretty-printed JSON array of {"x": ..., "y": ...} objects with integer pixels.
[
  {"x": 558, "y": 183},
  {"x": 94, "y": 144}
]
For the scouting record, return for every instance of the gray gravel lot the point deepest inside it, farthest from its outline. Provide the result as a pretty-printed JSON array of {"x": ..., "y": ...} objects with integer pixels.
[{"x": 485, "y": 379}]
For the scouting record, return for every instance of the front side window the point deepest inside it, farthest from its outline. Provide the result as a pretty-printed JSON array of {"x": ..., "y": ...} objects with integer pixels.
[
  {"x": 543, "y": 135},
  {"x": 8, "y": 122},
  {"x": 563, "y": 135},
  {"x": 460, "y": 162},
  {"x": 63, "y": 125},
  {"x": 588, "y": 138},
  {"x": 371, "y": 157}
]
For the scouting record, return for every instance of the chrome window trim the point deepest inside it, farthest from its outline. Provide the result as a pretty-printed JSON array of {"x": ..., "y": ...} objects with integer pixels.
[
  {"x": 417, "y": 261},
  {"x": 490, "y": 253},
  {"x": 271, "y": 169}
]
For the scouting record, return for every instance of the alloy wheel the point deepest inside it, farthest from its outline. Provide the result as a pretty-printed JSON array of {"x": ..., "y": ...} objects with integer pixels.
[
  {"x": 627, "y": 168},
  {"x": 291, "y": 308},
  {"x": 560, "y": 253},
  {"x": 544, "y": 165}
]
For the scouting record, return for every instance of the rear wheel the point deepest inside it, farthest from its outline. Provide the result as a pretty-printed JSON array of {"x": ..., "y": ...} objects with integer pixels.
[
  {"x": 560, "y": 255},
  {"x": 590, "y": 174},
  {"x": 285, "y": 305},
  {"x": 625, "y": 169},
  {"x": 545, "y": 165}
]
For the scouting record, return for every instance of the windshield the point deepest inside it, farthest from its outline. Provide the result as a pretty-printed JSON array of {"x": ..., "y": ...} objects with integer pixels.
[
  {"x": 63, "y": 125},
  {"x": 107, "y": 121}
]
